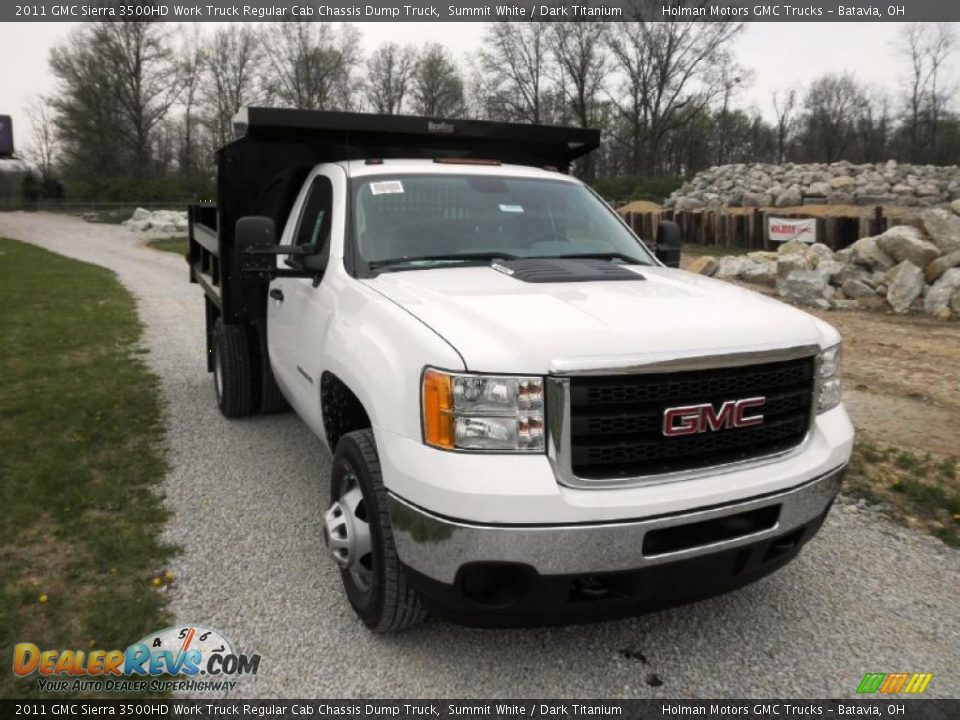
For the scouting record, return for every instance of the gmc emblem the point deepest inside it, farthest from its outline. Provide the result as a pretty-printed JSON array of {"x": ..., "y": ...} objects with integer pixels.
[{"x": 693, "y": 419}]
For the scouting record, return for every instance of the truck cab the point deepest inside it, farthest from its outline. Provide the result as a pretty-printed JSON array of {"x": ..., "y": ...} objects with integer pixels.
[{"x": 533, "y": 417}]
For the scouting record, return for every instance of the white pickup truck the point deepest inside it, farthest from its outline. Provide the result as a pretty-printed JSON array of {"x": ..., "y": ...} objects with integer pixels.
[{"x": 533, "y": 418}]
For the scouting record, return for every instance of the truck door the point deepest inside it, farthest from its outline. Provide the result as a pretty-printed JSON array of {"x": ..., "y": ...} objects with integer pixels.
[{"x": 299, "y": 310}]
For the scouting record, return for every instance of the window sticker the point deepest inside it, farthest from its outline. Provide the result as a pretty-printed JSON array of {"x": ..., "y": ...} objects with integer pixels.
[
  {"x": 386, "y": 187},
  {"x": 511, "y": 208}
]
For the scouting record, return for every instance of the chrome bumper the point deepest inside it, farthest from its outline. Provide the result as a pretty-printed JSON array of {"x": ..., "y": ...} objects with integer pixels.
[{"x": 438, "y": 547}]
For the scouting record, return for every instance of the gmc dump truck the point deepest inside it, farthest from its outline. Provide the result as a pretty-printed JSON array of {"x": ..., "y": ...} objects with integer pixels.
[{"x": 534, "y": 416}]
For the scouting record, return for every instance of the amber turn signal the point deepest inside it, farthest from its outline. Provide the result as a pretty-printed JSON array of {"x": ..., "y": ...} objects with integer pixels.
[{"x": 438, "y": 409}]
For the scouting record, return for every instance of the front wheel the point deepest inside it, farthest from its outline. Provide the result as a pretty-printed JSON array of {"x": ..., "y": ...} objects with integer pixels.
[{"x": 360, "y": 540}]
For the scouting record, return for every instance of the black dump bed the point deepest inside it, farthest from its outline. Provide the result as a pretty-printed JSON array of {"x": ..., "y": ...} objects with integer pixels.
[{"x": 261, "y": 172}]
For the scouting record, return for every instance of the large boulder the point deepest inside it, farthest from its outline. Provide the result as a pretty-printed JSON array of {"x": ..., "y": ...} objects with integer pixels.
[
  {"x": 867, "y": 252},
  {"x": 955, "y": 206},
  {"x": 703, "y": 265},
  {"x": 941, "y": 292},
  {"x": 822, "y": 253},
  {"x": 905, "y": 284},
  {"x": 757, "y": 199},
  {"x": 938, "y": 267},
  {"x": 140, "y": 214},
  {"x": 833, "y": 270},
  {"x": 905, "y": 242},
  {"x": 689, "y": 203},
  {"x": 790, "y": 262},
  {"x": 807, "y": 287},
  {"x": 732, "y": 266},
  {"x": 856, "y": 289},
  {"x": 763, "y": 272},
  {"x": 794, "y": 246},
  {"x": 842, "y": 183},
  {"x": 790, "y": 197},
  {"x": 818, "y": 188},
  {"x": 942, "y": 227}
]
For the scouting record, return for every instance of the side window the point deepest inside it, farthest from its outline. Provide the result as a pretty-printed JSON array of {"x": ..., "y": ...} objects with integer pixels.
[{"x": 314, "y": 225}]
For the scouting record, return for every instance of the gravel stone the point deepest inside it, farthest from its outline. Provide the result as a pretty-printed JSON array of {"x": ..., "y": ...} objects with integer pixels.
[{"x": 247, "y": 498}]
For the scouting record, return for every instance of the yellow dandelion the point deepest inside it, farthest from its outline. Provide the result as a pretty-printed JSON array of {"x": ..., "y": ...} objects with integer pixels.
[{"x": 43, "y": 599}]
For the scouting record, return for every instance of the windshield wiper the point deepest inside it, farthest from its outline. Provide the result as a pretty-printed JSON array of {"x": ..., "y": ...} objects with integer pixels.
[
  {"x": 596, "y": 256},
  {"x": 458, "y": 257}
]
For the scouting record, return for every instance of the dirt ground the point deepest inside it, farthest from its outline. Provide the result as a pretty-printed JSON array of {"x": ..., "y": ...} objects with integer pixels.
[{"x": 901, "y": 377}]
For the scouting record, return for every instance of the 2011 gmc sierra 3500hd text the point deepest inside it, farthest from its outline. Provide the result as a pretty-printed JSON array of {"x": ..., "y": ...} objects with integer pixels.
[{"x": 533, "y": 418}]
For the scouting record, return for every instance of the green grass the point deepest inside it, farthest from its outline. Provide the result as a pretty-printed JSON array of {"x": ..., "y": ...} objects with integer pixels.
[
  {"x": 80, "y": 458},
  {"x": 714, "y": 250},
  {"x": 920, "y": 491},
  {"x": 176, "y": 245}
]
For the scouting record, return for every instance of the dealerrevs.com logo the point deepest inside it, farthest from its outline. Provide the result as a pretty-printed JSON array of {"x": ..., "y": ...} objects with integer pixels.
[
  {"x": 187, "y": 657},
  {"x": 892, "y": 683}
]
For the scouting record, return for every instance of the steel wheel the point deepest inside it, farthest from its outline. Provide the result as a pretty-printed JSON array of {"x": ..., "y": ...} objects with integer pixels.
[{"x": 347, "y": 532}]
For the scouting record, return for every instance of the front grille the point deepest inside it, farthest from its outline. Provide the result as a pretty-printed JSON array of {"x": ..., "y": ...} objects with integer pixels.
[{"x": 617, "y": 420}]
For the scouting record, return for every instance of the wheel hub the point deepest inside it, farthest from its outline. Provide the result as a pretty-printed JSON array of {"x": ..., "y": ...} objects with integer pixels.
[{"x": 346, "y": 533}]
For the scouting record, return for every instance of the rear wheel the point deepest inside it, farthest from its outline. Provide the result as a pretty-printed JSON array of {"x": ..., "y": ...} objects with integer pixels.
[
  {"x": 232, "y": 375},
  {"x": 360, "y": 540}
]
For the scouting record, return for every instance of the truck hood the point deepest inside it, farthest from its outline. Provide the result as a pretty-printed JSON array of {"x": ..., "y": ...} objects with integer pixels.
[{"x": 500, "y": 324}]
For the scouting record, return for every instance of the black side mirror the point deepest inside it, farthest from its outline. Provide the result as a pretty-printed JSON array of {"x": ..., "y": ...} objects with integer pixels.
[
  {"x": 668, "y": 244},
  {"x": 255, "y": 233},
  {"x": 255, "y": 238}
]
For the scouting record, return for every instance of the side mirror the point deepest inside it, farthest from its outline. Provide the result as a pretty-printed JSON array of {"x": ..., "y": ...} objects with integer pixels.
[
  {"x": 257, "y": 235},
  {"x": 253, "y": 233},
  {"x": 668, "y": 244}
]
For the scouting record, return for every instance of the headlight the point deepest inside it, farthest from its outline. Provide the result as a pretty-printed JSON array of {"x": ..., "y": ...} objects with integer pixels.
[
  {"x": 828, "y": 378},
  {"x": 482, "y": 412}
]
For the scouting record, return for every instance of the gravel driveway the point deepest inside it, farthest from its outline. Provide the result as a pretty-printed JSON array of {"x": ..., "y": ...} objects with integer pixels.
[{"x": 865, "y": 595}]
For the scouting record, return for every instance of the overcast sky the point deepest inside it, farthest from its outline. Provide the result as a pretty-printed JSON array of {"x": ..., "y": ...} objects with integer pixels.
[{"x": 780, "y": 54}]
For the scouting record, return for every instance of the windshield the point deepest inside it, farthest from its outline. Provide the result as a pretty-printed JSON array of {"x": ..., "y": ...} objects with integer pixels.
[{"x": 426, "y": 220}]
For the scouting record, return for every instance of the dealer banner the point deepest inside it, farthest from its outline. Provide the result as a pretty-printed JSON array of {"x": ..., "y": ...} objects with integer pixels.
[{"x": 783, "y": 230}]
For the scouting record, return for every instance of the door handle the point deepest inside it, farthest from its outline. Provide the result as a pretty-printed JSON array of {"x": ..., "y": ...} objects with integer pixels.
[{"x": 277, "y": 294}]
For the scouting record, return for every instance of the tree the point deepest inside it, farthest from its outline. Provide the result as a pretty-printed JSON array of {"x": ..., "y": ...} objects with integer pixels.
[
  {"x": 732, "y": 77},
  {"x": 669, "y": 78},
  {"x": 87, "y": 111},
  {"x": 516, "y": 57},
  {"x": 583, "y": 64},
  {"x": 191, "y": 67},
  {"x": 389, "y": 71},
  {"x": 46, "y": 141},
  {"x": 831, "y": 103},
  {"x": 311, "y": 64},
  {"x": 232, "y": 58},
  {"x": 928, "y": 46},
  {"x": 145, "y": 78},
  {"x": 437, "y": 85},
  {"x": 784, "y": 102}
]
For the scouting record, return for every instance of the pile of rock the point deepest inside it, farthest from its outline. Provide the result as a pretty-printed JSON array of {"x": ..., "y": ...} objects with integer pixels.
[
  {"x": 906, "y": 269},
  {"x": 162, "y": 221},
  {"x": 839, "y": 183}
]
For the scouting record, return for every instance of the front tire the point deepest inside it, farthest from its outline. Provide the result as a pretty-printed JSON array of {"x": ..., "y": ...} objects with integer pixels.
[
  {"x": 358, "y": 533},
  {"x": 232, "y": 374}
]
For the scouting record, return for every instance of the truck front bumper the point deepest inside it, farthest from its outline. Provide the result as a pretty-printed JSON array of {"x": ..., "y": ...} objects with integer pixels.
[{"x": 542, "y": 573}]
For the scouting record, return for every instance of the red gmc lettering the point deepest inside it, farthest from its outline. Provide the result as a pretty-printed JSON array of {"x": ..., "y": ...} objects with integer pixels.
[{"x": 693, "y": 419}]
